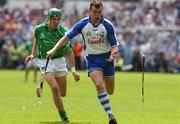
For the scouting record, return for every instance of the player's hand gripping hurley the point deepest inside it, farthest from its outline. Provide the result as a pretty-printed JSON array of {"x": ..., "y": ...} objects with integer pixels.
[{"x": 40, "y": 87}]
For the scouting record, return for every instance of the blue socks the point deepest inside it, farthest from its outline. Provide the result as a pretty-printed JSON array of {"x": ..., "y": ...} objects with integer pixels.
[{"x": 104, "y": 100}]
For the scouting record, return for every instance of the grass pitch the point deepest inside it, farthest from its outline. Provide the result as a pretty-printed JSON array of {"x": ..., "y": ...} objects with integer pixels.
[{"x": 20, "y": 105}]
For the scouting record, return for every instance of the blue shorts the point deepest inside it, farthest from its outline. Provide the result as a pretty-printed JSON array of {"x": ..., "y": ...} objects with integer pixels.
[{"x": 99, "y": 62}]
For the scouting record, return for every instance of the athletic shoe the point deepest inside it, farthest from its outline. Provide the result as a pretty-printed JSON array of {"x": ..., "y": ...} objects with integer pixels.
[{"x": 112, "y": 120}]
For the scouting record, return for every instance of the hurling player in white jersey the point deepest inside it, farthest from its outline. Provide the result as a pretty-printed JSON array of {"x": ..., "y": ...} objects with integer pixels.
[{"x": 101, "y": 48}]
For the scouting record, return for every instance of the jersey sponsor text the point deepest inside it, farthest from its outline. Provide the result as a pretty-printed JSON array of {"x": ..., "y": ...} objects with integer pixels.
[{"x": 95, "y": 41}]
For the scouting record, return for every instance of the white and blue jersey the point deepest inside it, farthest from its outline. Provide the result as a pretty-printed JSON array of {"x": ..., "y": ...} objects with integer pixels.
[{"x": 98, "y": 42}]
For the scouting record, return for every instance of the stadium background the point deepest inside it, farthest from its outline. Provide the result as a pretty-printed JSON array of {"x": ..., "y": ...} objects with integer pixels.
[
  {"x": 149, "y": 26},
  {"x": 143, "y": 27}
]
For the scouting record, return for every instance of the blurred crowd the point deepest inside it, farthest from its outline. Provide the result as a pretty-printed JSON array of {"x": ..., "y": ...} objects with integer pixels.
[{"x": 149, "y": 28}]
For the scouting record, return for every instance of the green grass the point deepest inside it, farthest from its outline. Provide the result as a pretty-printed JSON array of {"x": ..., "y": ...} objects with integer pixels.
[{"x": 19, "y": 104}]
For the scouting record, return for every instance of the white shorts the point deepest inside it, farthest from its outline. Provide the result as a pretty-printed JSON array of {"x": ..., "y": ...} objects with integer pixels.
[
  {"x": 57, "y": 66},
  {"x": 33, "y": 63}
]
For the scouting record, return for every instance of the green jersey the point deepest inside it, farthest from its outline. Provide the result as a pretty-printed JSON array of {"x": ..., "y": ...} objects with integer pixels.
[{"x": 47, "y": 38}]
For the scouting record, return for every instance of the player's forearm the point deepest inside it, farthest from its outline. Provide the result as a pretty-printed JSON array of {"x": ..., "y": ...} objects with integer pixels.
[
  {"x": 63, "y": 41},
  {"x": 114, "y": 50},
  {"x": 34, "y": 49}
]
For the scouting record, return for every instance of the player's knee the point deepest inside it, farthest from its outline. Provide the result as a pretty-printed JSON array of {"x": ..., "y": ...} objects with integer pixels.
[
  {"x": 100, "y": 86},
  {"x": 55, "y": 90},
  {"x": 48, "y": 77}
]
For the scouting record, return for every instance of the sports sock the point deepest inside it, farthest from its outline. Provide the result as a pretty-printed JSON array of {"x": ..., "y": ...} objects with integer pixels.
[
  {"x": 104, "y": 100},
  {"x": 62, "y": 113}
]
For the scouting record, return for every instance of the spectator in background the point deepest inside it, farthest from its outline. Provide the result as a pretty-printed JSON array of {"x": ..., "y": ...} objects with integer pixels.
[
  {"x": 77, "y": 49},
  {"x": 136, "y": 61},
  {"x": 57, "y": 3},
  {"x": 32, "y": 64},
  {"x": 162, "y": 62},
  {"x": 127, "y": 46},
  {"x": 14, "y": 55},
  {"x": 178, "y": 59},
  {"x": 3, "y": 2}
]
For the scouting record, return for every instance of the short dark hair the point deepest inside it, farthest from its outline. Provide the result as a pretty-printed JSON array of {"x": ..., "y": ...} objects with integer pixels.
[{"x": 96, "y": 3}]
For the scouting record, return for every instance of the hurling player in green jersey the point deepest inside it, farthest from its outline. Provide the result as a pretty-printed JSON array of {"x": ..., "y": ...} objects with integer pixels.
[{"x": 47, "y": 35}]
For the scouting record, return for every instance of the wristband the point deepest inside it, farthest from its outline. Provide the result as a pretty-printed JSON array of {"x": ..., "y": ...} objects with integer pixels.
[{"x": 73, "y": 70}]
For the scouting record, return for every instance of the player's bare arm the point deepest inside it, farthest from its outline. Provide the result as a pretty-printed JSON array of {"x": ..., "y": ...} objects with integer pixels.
[
  {"x": 63, "y": 41},
  {"x": 30, "y": 57},
  {"x": 114, "y": 54},
  {"x": 70, "y": 58}
]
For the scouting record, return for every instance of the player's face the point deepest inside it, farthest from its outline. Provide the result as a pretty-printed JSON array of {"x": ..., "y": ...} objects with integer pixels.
[
  {"x": 96, "y": 13},
  {"x": 54, "y": 21}
]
